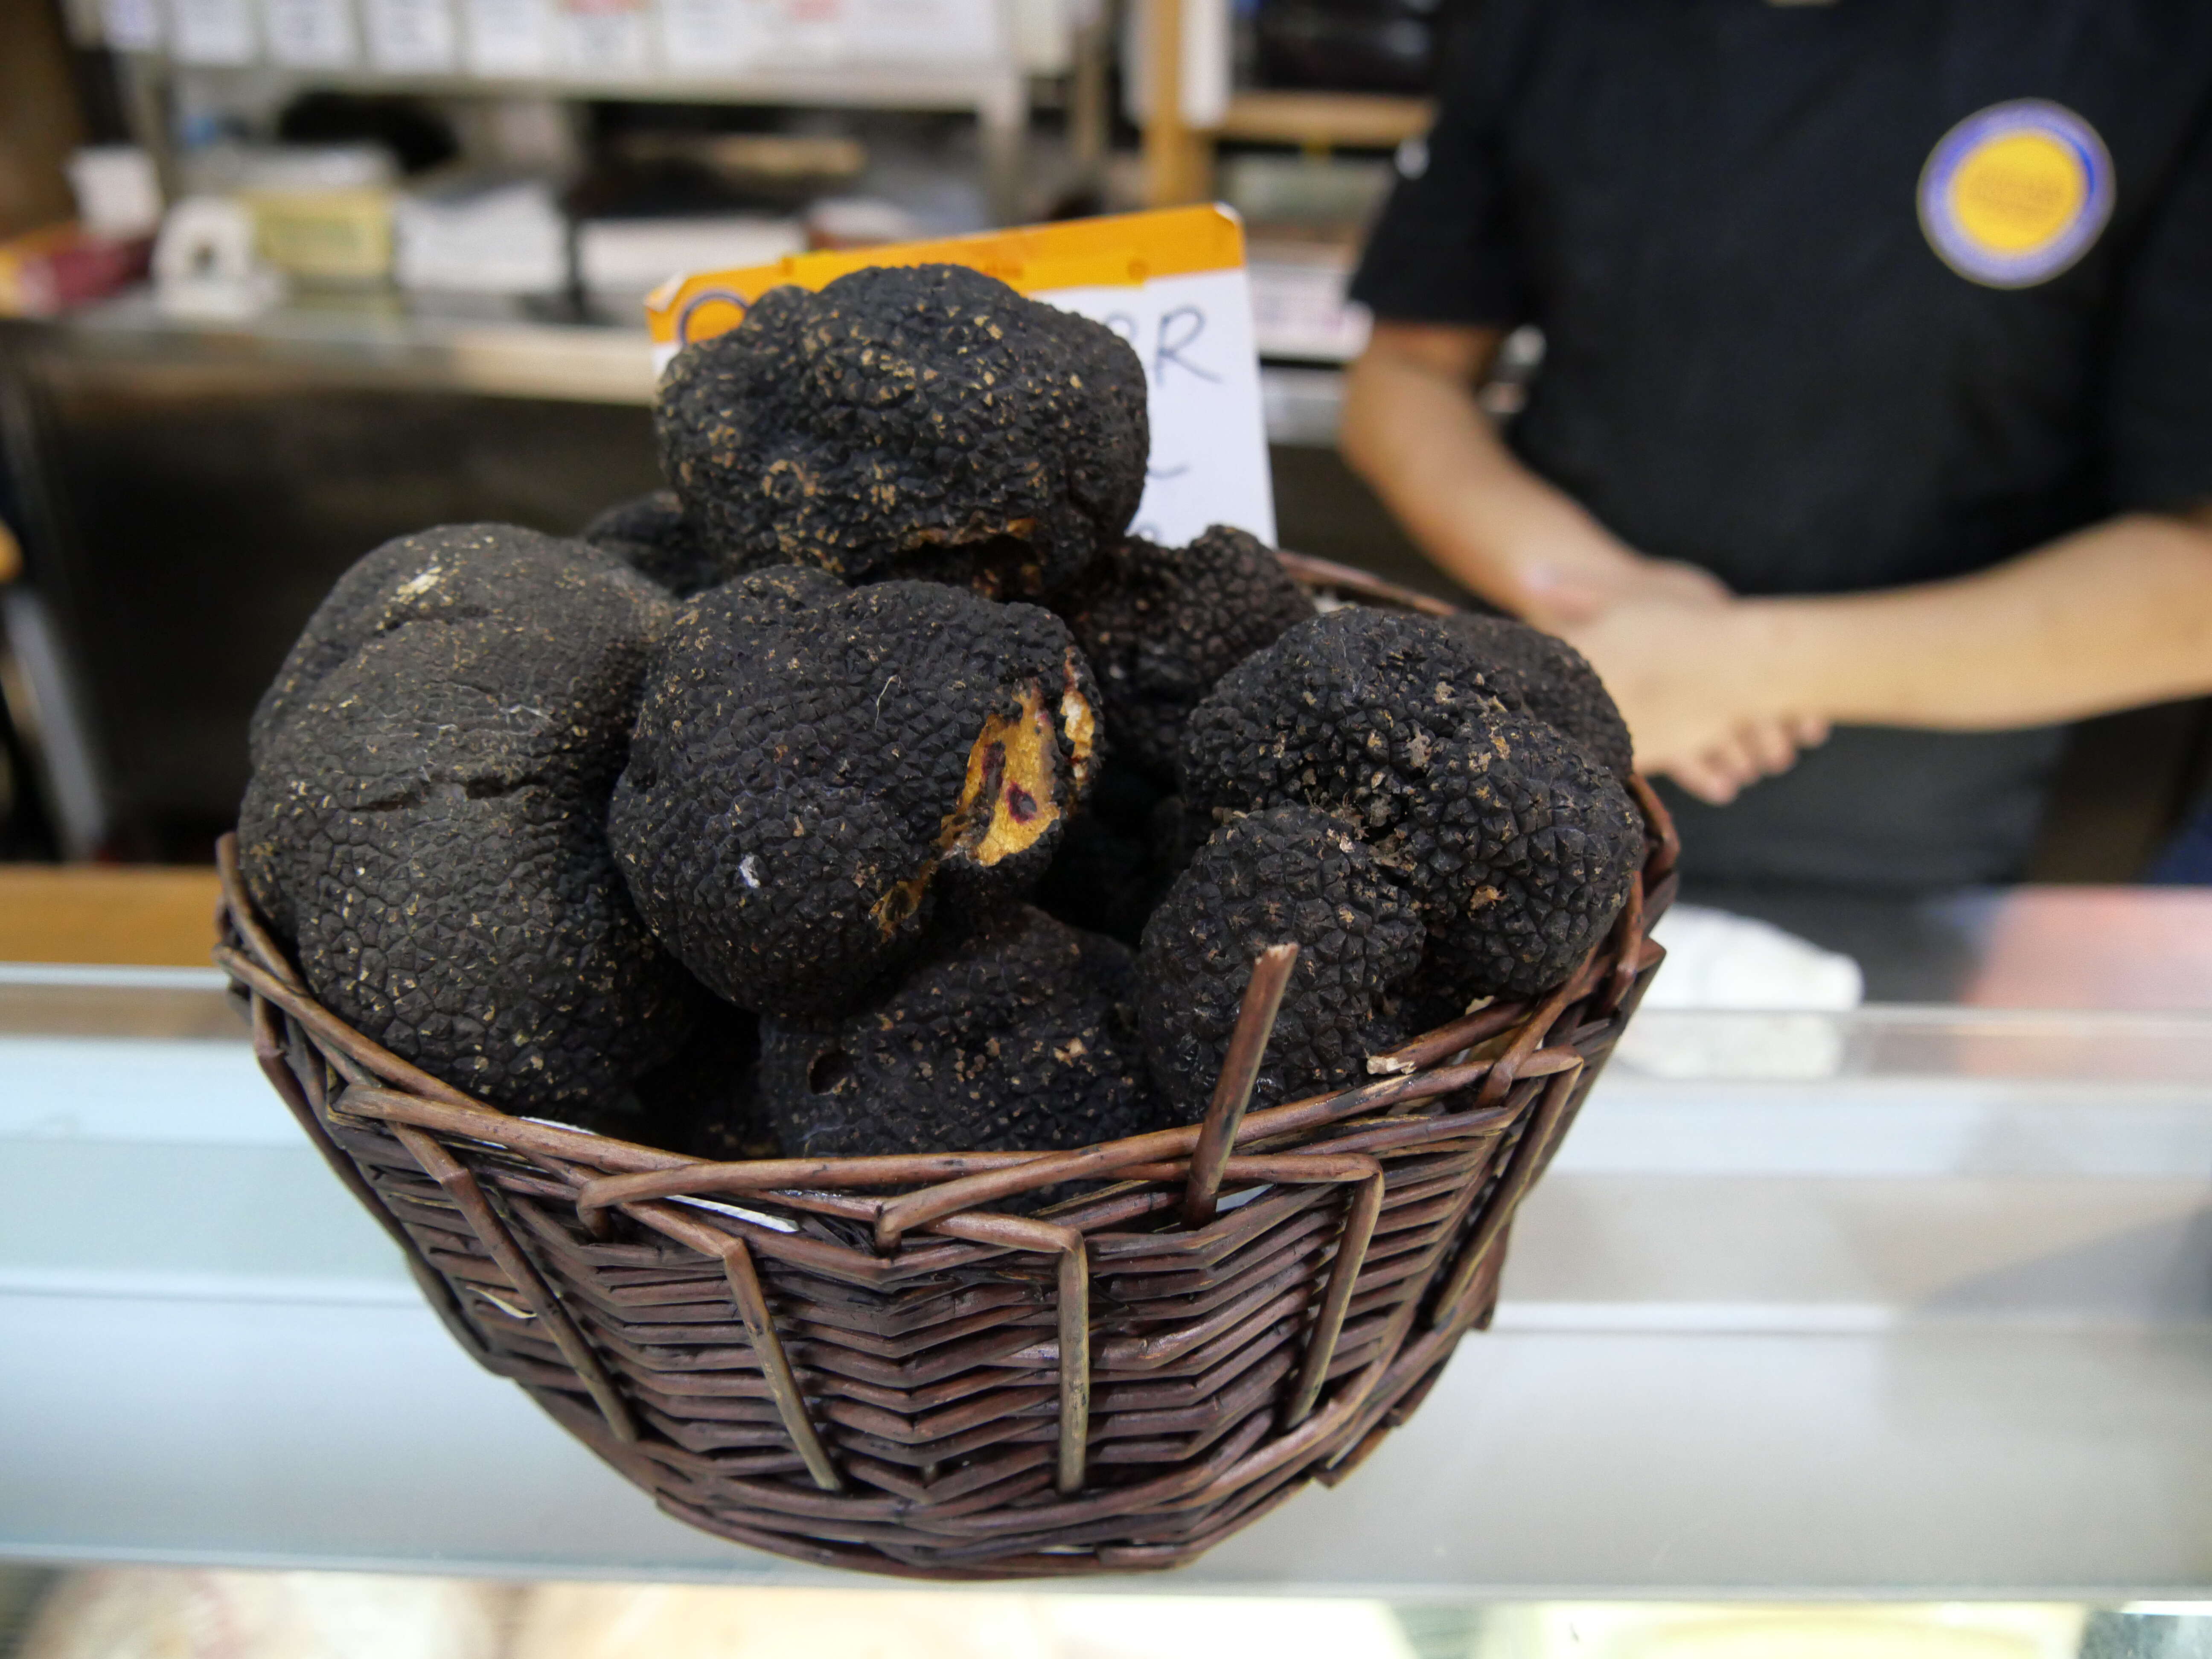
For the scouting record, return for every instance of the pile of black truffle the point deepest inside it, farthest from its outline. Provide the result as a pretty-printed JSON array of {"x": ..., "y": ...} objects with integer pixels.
[{"x": 872, "y": 790}]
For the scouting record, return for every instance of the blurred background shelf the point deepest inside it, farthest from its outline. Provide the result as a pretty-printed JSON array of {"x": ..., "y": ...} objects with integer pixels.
[{"x": 1354, "y": 121}]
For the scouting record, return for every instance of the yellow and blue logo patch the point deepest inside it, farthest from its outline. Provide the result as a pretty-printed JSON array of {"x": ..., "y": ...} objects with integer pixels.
[{"x": 2015, "y": 193}]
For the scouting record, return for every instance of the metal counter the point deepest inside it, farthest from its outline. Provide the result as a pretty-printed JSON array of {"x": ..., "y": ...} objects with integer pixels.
[{"x": 1909, "y": 1301}]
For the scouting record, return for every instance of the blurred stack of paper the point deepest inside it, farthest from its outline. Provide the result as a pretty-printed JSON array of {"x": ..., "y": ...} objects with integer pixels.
[
  {"x": 481, "y": 236},
  {"x": 620, "y": 261}
]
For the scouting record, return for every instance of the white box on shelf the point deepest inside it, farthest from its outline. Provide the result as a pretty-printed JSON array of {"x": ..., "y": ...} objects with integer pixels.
[
  {"x": 604, "y": 39},
  {"x": 311, "y": 34},
  {"x": 482, "y": 237},
  {"x": 1299, "y": 309},
  {"x": 619, "y": 261},
  {"x": 131, "y": 25},
  {"x": 508, "y": 37},
  {"x": 704, "y": 36},
  {"x": 213, "y": 31},
  {"x": 410, "y": 37}
]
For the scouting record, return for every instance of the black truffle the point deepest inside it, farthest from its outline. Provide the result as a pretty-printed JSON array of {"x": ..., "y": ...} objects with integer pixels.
[
  {"x": 1019, "y": 1034},
  {"x": 925, "y": 420},
  {"x": 1159, "y": 625},
  {"x": 427, "y": 825},
  {"x": 457, "y": 573},
  {"x": 1517, "y": 846},
  {"x": 817, "y": 769},
  {"x": 1286, "y": 875},
  {"x": 1533, "y": 672},
  {"x": 653, "y": 537}
]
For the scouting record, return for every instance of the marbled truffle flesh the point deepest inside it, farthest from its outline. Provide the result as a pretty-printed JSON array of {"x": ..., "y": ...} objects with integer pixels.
[
  {"x": 818, "y": 770},
  {"x": 1287, "y": 875},
  {"x": 924, "y": 420},
  {"x": 427, "y": 824},
  {"x": 1020, "y": 1034}
]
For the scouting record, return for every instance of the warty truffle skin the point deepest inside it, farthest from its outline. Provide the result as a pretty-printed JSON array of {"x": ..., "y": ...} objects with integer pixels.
[
  {"x": 1286, "y": 875},
  {"x": 457, "y": 573},
  {"x": 1159, "y": 625},
  {"x": 652, "y": 534},
  {"x": 1517, "y": 846},
  {"x": 925, "y": 421},
  {"x": 426, "y": 826},
  {"x": 1018, "y": 1035},
  {"x": 816, "y": 771},
  {"x": 1539, "y": 674}
]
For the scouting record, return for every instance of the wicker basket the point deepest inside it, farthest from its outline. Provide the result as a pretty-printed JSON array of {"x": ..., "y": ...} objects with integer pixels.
[{"x": 868, "y": 1363}]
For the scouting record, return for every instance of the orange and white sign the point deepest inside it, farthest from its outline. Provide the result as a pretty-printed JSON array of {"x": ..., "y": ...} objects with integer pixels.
[{"x": 1172, "y": 282}]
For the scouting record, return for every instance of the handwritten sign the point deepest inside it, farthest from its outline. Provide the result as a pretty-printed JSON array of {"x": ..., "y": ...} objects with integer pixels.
[{"x": 1172, "y": 283}]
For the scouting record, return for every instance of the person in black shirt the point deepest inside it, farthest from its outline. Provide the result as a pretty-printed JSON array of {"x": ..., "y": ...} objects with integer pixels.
[{"x": 1876, "y": 394}]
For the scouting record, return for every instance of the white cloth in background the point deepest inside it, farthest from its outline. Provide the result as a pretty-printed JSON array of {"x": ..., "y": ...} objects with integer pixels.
[{"x": 1740, "y": 998}]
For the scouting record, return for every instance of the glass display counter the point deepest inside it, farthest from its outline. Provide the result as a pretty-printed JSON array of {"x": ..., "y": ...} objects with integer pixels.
[{"x": 1907, "y": 1303}]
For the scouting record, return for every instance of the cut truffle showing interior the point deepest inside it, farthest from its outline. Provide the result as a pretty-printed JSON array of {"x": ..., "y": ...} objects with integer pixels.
[
  {"x": 462, "y": 573},
  {"x": 426, "y": 826},
  {"x": 923, "y": 421},
  {"x": 1020, "y": 1034},
  {"x": 816, "y": 771},
  {"x": 1286, "y": 875},
  {"x": 1517, "y": 846},
  {"x": 652, "y": 534},
  {"x": 1533, "y": 672},
  {"x": 1159, "y": 625}
]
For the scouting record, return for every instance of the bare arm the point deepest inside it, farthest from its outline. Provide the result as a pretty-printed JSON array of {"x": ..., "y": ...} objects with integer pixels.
[
  {"x": 1413, "y": 430},
  {"x": 2114, "y": 616}
]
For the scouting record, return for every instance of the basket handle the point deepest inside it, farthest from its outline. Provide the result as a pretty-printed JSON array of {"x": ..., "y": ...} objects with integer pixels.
[{"x": 1240, "y": 1069}]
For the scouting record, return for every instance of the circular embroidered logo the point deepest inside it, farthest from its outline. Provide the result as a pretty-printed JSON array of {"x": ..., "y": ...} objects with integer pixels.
[{"x": 2015, "y": 193}]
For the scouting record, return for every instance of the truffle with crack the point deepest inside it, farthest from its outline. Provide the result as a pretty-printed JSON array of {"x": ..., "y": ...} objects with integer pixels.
[
  {"x": 1535, "y": 673},
  {"x": 1286, "y": 875},
  {"x": 652, "y": 534},
  {"x": 816, "y": 770},
  {"x": 1018, "y": 1035},
  {"x": 925, "y": 421},
  {"x": 1518, "y": 848},
  {"x": 427, "y": 825},
  {"x": 1159, "y": 625},
  {"x": 457, "y": 573}
]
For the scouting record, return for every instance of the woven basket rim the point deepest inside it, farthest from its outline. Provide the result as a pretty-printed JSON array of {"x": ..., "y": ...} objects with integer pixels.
[{"x": 1399, "y": 1076}]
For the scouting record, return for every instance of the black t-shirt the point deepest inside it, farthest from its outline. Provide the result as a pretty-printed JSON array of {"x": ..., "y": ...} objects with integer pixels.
[{"x": 1827, "y": 306}]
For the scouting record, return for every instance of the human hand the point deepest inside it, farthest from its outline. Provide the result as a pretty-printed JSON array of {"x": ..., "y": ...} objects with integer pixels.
[{"x": 1705, "y": 704}]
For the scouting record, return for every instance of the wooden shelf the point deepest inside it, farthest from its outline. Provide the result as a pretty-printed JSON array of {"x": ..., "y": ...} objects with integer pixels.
[
  {"x": 139, "y": 914},
  {"x": 1358, "y": 120}
]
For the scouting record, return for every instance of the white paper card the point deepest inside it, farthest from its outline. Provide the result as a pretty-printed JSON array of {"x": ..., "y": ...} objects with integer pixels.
[
  {"x": 311, "y": 33},
  {"x": 1209, "y": 461},
  {"x": 410, "y": 37},
  {"x": 131, "y": 25},
  {"x": 509, "y": 37},
  {"x": 213, "y": 31}
]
